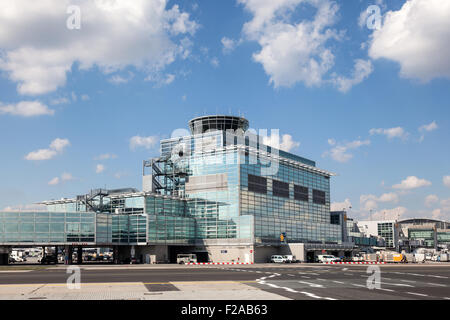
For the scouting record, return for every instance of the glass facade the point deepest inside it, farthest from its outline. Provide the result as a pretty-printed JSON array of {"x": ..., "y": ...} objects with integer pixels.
[
  {"x": 207, "y": 186},
  {"x": 47, "y": 227},
  {"x": 387, "y": 232}
]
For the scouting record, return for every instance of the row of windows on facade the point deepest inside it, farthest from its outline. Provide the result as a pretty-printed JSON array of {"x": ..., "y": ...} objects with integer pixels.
[{"x": 281, "y": 189}]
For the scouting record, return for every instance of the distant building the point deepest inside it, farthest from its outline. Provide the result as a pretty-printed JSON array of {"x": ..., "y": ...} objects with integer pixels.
[
  {"x": 426, "y": 233},
  {"x": 386, "y": 229},
  {"x": 351, "y": 233}
]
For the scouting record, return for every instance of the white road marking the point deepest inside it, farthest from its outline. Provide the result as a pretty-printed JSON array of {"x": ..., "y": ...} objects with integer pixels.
[
  {"x": 358, "y": 285},
  {"x": 418, "y": 294},
  {"x": 397, "y": 284},
  {"x": 339, "y": 282},
  {"x": 437, "y": 284},
  {"x": 408, "y": 281},
  {"x": 306, "y": 277},
  {"x": 312, "y": 295},
  {"x": 384, "y": 289},
  {"x": 311, "y": 284}
]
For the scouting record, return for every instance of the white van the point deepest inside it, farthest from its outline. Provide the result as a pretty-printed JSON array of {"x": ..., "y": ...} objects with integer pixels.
[
  {"x": 278, "y": 259},
  {"x": 327, "y": 258}
]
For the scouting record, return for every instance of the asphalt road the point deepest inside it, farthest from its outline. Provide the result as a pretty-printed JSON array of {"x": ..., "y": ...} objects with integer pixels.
[{"x": 313, "y": 282}]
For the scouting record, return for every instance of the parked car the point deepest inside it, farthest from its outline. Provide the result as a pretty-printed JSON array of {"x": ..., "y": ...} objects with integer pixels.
[
  {"x": 327, "y": 258},
  {"x": 12, "y": 259},
  {"x": 278, "y": 259}
]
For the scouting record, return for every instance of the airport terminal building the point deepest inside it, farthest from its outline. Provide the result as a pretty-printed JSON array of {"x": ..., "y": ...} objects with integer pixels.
[{"x": 219, "y": 192}]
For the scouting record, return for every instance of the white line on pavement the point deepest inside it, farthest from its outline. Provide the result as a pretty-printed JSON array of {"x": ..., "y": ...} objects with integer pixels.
[
  {"x": 311, "y": 284},
  {"x": 418, "y": 294},
  {"x": 437, "y": 284},
  {"x": 384, "y": 289}
]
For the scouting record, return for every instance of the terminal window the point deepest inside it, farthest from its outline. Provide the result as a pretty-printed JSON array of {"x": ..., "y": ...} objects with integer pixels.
[
  {"x": 300, "y": 193},
  {"x": 318, "y": 197},
  {"x": 280, "y": 189},
  {"x": 257, "y": 184}
]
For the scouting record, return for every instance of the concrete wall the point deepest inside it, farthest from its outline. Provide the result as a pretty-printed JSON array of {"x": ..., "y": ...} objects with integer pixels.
[
  {"x": 157, "y": 253},
  {"x": 263, "y": 254},
  {"x": 229, "y": 253}
]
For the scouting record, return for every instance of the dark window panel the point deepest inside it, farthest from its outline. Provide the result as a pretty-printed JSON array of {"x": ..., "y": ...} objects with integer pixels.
[
  {"x": 301, "y": 193},
  {"x": 280, "y": 189}
]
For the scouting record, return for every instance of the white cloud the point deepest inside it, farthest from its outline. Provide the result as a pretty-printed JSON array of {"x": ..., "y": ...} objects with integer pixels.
[
  {"x": 431, "y": 199},
  {"x": 62, "y": 100},
  {"x": 39, "y": 50},
  {"x": 446, "y": 181},
  {"x": 297, "y": 51},
  {"x": 436, "y": 214},
  {"x": 57, "y": 146},
  {"x": 144, "y": 142},
  {"x": 105, "y": 156},
  {"x": 361, "y": 70},
  {"x": 442, "y": 213},
  {"x": 429, "y": 127},
  {"x": 287, "y": 143},
  {"x": 161, "y": 80},
  {"x": 85, "y": 97},
  {"x": 119, "y": 175},
  {"x": 391, "y": 133},
  {"x": 416, "y": 36},
  {"x": 390, "y": 214},
  {"x": 215, "y": 62},
  {"x": 99, "y": 168},
  {"x": 339, "y": 206},
  {"x": 412, "y": 182},
  {"x": 370, "y": 201},
  {"x": 118, "y": 79},
  {"x": 26, "y": 109},
  {"x": 229, "y": 44},
  {"x": 340, "y": 151},
  {"x": 64, "y": 177},
  {"x": 54, "y": 181}
]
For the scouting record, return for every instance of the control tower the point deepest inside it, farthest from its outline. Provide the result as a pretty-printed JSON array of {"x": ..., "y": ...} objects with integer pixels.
[{"x": 217, "y": 122}]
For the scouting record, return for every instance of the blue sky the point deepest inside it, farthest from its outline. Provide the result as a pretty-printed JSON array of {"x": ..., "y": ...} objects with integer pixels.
[{"x": 371, "y": 105}]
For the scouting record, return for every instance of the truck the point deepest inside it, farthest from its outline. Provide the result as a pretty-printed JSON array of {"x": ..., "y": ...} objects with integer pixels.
[
  {"x": 185, "y": 258},
  {"x": 290, "y": 259}
]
